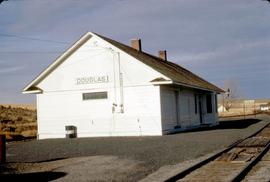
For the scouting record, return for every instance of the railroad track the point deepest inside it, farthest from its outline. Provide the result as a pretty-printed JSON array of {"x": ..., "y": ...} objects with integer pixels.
[{"x": 246, "y": 160}]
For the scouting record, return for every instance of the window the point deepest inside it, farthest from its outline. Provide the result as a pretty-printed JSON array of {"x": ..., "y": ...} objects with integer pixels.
[
  {"x": 95, "y": 95},
  {"x": 209, "y": 103},
  {"x": 195, "y": 100}
]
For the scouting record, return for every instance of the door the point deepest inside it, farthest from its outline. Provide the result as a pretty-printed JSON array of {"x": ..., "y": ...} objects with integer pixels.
[
  {"x": 185, "y": 109},
  {"x": 168, "y": 108}
]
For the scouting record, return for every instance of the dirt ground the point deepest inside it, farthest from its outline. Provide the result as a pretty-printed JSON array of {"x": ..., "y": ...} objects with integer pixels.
[
  {"x": 93, "y": 168},
  {"x": 119, "y": 158}
]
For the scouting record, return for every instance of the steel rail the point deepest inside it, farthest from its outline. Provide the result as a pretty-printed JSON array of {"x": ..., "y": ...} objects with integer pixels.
[
  {"x": 187, "y": 171},
  {"x": 241, "y": 175}
]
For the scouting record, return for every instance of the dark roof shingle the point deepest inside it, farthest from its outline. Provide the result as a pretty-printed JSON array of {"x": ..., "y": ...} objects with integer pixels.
[{"x": 173, "y": 71}]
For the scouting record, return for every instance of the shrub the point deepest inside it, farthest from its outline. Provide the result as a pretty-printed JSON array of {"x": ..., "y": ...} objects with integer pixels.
[{"x": 19, "y": 118}]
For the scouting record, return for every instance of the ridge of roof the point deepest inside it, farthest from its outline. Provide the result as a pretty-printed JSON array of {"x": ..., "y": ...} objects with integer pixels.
[
  {"x": 172, "y": 70},
  {"x": 175, "y": 72},
  {"x": 31, "y": 87}
]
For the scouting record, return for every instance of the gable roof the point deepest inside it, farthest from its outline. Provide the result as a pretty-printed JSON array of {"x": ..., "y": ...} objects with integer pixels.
[
  {"x": 176, "y": 73},
  {"x": 32, "y": 86}
]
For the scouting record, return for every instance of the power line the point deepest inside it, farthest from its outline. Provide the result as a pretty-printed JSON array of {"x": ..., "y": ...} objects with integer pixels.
[
  {"x": 32, "y": 38},
  {"x": 32, "y": 52},
  {"x": 48, "y": 52}
]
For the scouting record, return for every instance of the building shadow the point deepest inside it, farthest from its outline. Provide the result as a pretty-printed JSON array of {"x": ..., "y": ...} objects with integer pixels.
[
  {"x": 236, "y": 124},
  {"x": 51, "y": 160},
  {"x": 223, "y": 125},
  {"x": 38, "y": 176}
]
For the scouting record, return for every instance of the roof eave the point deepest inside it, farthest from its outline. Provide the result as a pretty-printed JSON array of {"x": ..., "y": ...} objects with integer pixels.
[
  {"x": 162, "y": 82},
  {"x": 167, "y": 82},
  {"x": 57, "y": 62},
  {"x": 32, "y": 92},
  {"x": 196, "y": 87},
  {"x": 135, "y": 53}
]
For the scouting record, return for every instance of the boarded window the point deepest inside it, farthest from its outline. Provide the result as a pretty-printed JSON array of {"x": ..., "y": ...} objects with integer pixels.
[
  {"x": 95, "y": 95},
  {"x": 195, "y": 100},
  {"x": 209, "y": 103}
]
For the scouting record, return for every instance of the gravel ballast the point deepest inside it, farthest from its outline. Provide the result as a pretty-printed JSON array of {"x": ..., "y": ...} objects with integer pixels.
[{"x": 154, "y": 152}]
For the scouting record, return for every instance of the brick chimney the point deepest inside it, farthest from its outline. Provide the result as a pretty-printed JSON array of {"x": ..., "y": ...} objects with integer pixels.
[
  {"x": 136, "y": 44},
  {"x": 163, "y": 55}
]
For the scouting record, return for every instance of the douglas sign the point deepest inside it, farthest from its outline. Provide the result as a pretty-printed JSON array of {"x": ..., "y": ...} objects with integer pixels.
[{"x": 92, "y": 80}]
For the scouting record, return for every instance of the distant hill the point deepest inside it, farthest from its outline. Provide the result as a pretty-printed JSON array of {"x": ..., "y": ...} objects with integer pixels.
[{"x": 18, "y": 121}]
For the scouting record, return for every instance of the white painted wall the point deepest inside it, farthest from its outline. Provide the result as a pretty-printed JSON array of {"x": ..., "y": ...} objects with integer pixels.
[
  {"x": 61, "y": 102},
  {"x": 97, "y": 57},
  {"x": 168, "y": 108},
  {"x": 95, "y": 117},
  {"x": 186, "y": 117},
  {"x": 264, "y": 108}
]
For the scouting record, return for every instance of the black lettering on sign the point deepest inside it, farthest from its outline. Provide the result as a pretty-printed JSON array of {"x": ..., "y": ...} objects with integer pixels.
[{"x": 92, "y": 80}]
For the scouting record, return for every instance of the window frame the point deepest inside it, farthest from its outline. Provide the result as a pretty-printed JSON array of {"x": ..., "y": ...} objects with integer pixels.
[
  {"x": 209, "y": 103},
  {"x": 94, "y": 95},
  {"x": 216, "y": 103}
]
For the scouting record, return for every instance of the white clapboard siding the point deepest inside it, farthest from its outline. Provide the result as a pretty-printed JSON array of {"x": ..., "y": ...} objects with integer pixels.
[
  {"x": 187, "y": 116},
  {"x": 168, "y": 108},
  {"x": 90, "y": 60},
  {"x": 135, "y": 105},
  {"x": 95, "y": 118},
  {"x": 61, "y": 102}
]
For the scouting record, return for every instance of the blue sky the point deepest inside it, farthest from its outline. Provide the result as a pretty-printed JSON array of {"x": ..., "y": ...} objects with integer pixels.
[{"x": 218, "y": 40}]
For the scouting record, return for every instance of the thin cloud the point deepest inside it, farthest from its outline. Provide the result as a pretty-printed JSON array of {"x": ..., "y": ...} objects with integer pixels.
[
  {"x": 10, "y": 70},
  {"x": 209, "y": 56},
  {"x": 211, "y": 38}
]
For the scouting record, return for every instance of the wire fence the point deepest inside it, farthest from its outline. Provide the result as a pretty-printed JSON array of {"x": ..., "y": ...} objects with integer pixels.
[{"x": 243, "y": 110}]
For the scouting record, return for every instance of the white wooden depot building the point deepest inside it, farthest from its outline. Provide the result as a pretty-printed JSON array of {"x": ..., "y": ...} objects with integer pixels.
[{"x": 106, "y": 88}]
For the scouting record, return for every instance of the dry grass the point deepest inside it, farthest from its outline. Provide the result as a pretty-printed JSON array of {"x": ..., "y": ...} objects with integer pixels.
[
  {"x": 18, "y": 122},
  {"x": 233, "y": 112},
  {"x": 24, "y": 106}
]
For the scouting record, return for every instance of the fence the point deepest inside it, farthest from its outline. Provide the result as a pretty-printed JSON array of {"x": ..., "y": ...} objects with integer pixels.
[{"x": 245, "y": 108}]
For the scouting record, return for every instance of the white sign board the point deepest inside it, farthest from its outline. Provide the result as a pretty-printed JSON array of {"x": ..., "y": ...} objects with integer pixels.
[
  {"x": 247, "y": 102},
  {"x": 92, "y": 80}
]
